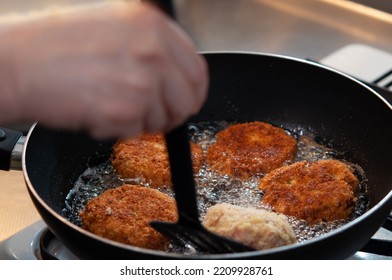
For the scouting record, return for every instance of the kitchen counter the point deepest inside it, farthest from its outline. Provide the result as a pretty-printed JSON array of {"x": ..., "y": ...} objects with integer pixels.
[
  {"x": 304, "y": 29},
  {"x": 16, "y": 208},
  {"x": 299, "y": 28}
]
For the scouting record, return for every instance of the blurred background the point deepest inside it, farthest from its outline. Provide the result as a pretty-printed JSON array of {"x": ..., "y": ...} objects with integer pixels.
[
  {"x": 305, "y": 29},
  {"x": 301, "y": 28}
]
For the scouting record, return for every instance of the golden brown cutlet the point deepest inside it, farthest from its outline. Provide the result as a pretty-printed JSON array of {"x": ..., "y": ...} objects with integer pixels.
[
  {"x": 251, "y": 149},
  {"x": 255, "y": 228},
  {"x": 123, "y": 214},
  {"x": 146, "y": 157},
  {"x": 313, "y": 191}
]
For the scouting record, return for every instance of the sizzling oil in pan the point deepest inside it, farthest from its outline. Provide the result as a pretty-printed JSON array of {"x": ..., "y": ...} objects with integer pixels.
[{"x": 213, "y": 188}]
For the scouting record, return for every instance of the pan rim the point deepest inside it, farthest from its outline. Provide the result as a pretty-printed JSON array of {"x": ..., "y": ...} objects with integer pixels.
[{"x": 301, "y": 60}]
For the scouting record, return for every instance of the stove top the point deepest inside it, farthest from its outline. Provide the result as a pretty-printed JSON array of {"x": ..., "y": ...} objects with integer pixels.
[{"x": 366, "y": 63}]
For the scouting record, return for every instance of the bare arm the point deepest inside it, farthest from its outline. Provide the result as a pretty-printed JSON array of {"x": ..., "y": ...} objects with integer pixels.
[{"x": 115, "y": 70}]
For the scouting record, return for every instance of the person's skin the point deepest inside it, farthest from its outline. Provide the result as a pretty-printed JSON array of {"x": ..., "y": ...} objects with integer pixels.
[{"x": 115, "y": 70}]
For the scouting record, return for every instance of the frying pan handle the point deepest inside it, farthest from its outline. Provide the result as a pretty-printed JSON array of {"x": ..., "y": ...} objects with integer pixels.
[
  {"x": 180, "y": 154},
  {"x": 11, "y": 148}
]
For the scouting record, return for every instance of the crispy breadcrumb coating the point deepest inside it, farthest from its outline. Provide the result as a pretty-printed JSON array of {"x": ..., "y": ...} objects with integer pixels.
[
  {"x": 250, "y": 149},
  {"x": 123, "y": 214},
  {"x": 316, "y": 192},
  {"x": 146, "y": 157},
  {"x": 255, "y": 228}
]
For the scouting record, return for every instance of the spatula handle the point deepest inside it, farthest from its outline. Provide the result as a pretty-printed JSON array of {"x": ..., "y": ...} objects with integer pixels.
[
  {"x": 166, "y": 6},
  {"x": 180, "y": 160}
]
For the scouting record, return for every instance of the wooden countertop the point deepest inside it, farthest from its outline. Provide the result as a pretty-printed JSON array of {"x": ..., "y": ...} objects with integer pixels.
[{"x": 17, "y": 210}]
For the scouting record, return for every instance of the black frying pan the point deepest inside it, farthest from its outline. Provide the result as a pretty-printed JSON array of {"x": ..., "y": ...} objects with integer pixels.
[{"x": 244, "y": 87}]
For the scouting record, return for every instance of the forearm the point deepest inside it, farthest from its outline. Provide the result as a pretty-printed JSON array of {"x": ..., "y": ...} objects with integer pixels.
[{"x": 9, "y": 106}]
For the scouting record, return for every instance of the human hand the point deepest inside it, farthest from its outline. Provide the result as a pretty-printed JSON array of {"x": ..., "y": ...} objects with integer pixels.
[{"x": 116, "y": 70}]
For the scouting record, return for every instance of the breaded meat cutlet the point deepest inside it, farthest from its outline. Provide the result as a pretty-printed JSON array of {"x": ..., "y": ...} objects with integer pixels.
[
  {"x": 146, "y": 157},
  {"x": 123, "y": 214},
  {"x": 251, "y": 149},
  {"x": 256, "y": 228},
  {"x": 316, "y": 192}
]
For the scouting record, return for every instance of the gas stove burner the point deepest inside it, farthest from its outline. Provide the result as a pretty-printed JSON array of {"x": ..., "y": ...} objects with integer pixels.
[
  {"x": 50, "y": 248},
  {"x": 46, "y": 239}
]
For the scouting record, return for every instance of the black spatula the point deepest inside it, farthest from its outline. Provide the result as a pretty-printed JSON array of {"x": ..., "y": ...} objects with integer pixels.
[{"x": 188, "y": 229}]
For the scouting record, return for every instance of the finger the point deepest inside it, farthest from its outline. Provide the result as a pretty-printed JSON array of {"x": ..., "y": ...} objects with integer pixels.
[
  {"x": 181, "y": 51},
  {"x": 156, "y": 118},
  {"x": 112, "y": 119},
  {"x": 117, "y": 105},
  {"x": 184, "y": 54},
  {"x": 178, "y": 95}
]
